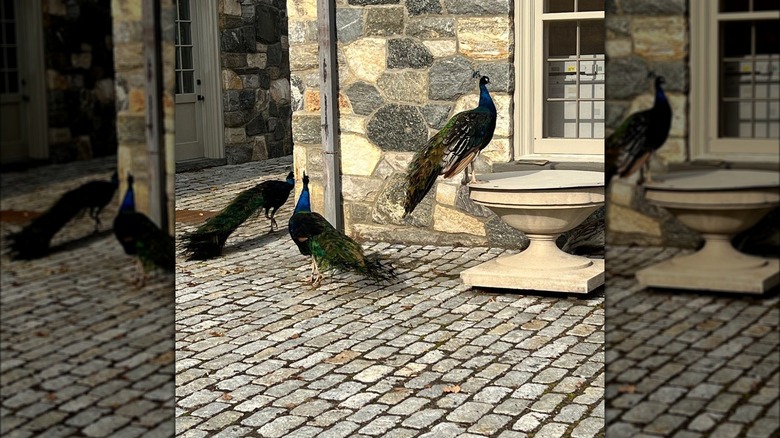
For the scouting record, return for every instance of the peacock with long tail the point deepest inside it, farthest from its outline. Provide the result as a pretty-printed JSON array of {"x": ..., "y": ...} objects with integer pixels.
[
  {"x": 33, "y": 240},
  {"x": 630, "y": 147},
  {"x": 141, "y": 237},
  {"x": 329, "y": 248},
  {"x": 453, "y": 148},
  {"x": 209, "y": 239}
]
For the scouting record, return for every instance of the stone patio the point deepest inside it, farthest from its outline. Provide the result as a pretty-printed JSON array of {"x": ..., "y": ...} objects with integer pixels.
[
  {"x": 84, "y": 352},
  {"x": 687, "y": 364},
  {"x": 260, "y": 353}
]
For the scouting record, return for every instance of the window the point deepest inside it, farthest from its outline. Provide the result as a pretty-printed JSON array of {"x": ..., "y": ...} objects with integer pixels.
[
  {"x": 735, "y": 80},
  {"x": 559, "y": 97},
  {"x": 185, "y": 70}
]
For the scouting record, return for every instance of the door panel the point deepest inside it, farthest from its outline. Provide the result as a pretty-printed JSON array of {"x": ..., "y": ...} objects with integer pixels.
[
  {"x": 189, "y": 103},
  {"x": 13, "y": 138}
]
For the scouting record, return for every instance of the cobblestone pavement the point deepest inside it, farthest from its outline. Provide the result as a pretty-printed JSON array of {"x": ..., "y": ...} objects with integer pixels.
[
  {"x": 686, "y": 364},
  {"x": 259, "y": 353},
  {"x": 84, "y": 352}
]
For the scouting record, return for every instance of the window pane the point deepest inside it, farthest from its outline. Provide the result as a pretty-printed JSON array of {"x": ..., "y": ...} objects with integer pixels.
[
  {"x": 766, "y": 5},
  {"x": 734, "y": 5},
  {"x": 178, "y": 82},
  {"x": 766, "y": 37},
  {"x": 188, "y": 83},
  {"x": 559, "y": 6},
  {"x": 736, "y": 79},
  {"x": 11, "y": 57},
  {"x": 562, "y": 80},
  {"x": 10, "y": 34},
  {"x": 590, "y": 5},
  {"x": 8, "y": 9},
  {"x": 13, "y": 82},
  {"x": 186, "y": 35},
  {"x": 184, "y": 9},
  {"x": 186, "y": 57},
  {"x": 735, "y": 36},
  {"x": 562, "y": 39},
  {"x": 592, "y": 33}
]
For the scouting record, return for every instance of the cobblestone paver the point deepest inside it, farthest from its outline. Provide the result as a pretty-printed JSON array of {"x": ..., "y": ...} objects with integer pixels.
[
  {"x": 259, "y": 353},
  {"x": 84, "y": 353},
  {"x": 686, "y": 364}
]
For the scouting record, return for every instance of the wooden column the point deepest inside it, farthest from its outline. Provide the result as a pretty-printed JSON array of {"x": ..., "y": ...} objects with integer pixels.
[
  {"x": 155, "y": 129},
  {"x": 329, "y": 104}
]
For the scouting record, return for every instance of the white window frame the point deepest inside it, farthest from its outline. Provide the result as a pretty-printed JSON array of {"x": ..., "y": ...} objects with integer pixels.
[
  {"x": 705, "y": 143},
  {"x": 529, "y": 141}
]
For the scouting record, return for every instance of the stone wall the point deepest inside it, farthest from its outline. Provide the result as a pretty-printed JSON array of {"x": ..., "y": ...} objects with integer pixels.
[
  {"x": 405, "y": 67},
  {"x": 645, "y": 36},
  {"x": 255, "y": 79},
  {"x": 79, "y": 62},
  {"x": 131, "y": 100}
]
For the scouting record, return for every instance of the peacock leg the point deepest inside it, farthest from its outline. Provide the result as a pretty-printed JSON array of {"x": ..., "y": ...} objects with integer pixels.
[
  {"x": 316, "y": 277},
  {"x": 473, "y": 173},
  {"x": 273, "y": 221}
]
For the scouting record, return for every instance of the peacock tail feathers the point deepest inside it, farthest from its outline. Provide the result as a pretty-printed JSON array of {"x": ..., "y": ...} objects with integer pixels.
[
  {"x": 453, "y": 148},
  {"x": 209, "y": 239}
]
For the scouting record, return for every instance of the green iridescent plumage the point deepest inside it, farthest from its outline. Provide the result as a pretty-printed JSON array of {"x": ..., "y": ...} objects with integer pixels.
[
  {"x": 141, "y": 237},
  {"x": 453, "y": 148},
  {"x": 629, "y": 148},
  {"x": 329, "y": 248},
  {"x": 209, "y": 239}
]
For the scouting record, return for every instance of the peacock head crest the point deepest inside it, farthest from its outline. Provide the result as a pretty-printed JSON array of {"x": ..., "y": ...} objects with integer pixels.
[{"x": 305, "y": 180}]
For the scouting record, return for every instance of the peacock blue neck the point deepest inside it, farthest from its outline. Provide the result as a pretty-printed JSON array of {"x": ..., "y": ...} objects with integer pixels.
[
  {"x": 291, "y": 181},
  {"x": 485, "y": 101},
  {"x": 128, "y": 202},
  {"x": 660, "y": 96},
  {"x": 304, "y": 204}
]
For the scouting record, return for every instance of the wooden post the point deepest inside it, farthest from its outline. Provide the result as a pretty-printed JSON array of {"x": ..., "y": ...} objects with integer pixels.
[
  {"x": 329, "y": 102},
  {"x": 155, "y": 140}
]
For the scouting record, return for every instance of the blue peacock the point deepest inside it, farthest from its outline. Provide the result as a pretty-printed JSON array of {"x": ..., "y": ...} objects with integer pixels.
[
  {"x": 139, "y": 236},
  {"x": 453, "y": 148},
  {"x": 209, "y": 239},
  {"x": 632, "y": 144},
  {"x": 329, "y": 248}
]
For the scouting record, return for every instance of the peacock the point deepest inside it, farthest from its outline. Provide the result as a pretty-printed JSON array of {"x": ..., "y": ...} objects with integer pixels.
[
  {"x": 630, "y": 147},
  {"x": 209, "y": 239},
  {"x": 329, "y": 248},
  {"x": 453, "y": 148},
  {"x": 139, "y": 236},
  {"x": 33, "y": 240}
]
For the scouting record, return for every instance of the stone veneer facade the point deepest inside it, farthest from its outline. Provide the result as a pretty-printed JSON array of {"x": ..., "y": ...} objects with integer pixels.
[
  {"x": 131, "y": 100},
  {"x": 79, "y": 62},
  {"x": 255, "y": 62},
  {"x": 645, "y": 36},
  {"x": 405, "y": 67}
]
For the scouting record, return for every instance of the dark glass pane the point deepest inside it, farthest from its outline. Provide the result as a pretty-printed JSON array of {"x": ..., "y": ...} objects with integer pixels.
[
  {"x": 590, "y": 5},
  {"x": 735, "y": 38},
  {"x": 559, "y": 6},
  {"x": 8, "y": 10},
  {"x": 562, "y": 39},
  {"x": 736, "y": 119},
  {"x": 734, "y": 5},
  {"x": 178, "y": 55},
  {"x": 766, "y": 37},
  {"x": 737, "y": 79},
  {"x": 592, "y": 34},
  {"x": 186, "y": 57},
  {"x": 2, "y": 60},
  {"x": 178, "y": 83},
  {"x": 9, "y": 36},
  {"x": 2, "y": 84},
  {"x": 11, "y": 57},
  {"x": 186, "y": 34},
  {"x": 13, "y": 82},
  {"x": 766, "y": 5},
  {"x": 184, "y": 9},
  {"x": 188, "y": 83}
]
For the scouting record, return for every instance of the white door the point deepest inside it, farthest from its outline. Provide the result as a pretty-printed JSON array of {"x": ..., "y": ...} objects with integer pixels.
[
  {"x": 199, "y": 119},
  {"x": 22, "y": 113}
]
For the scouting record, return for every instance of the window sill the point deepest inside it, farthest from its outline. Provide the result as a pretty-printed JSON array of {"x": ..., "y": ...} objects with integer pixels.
[{"x": 551, "y": 164}]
